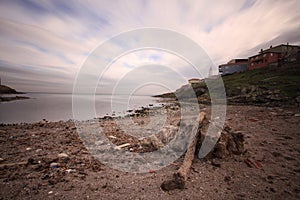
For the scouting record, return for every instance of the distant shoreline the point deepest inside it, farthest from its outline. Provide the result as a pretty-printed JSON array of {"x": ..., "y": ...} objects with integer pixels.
[
  {"x": 5, "y": 90},
  {"x": 66, "y": 102},
  {"x": 14, "y": 98}
]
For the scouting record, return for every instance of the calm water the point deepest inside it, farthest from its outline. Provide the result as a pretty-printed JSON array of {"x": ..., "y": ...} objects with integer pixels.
[{"x": 55, "y": 107}]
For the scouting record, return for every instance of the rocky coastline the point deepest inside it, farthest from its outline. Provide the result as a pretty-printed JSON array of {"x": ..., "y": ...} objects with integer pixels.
[
  {"x": 49, "y": 160},
  {"x": 5, "y": 90}
]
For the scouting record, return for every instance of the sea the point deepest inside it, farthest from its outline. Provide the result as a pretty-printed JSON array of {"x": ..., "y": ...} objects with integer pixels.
[{"x": 56, "y": 107}]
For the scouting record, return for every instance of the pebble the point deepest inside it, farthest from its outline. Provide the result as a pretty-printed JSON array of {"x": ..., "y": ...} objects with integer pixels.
[
  {"x": 54, "y": 165},
  {"x": 161, "y": 163},
  {"x": 99, "y": 142},
  {"x": 28, "y": 149},
  {"x": 1, "y": 159},
  {"x": 215, "y": 163},
  {"x": 70, "y": 170},
  {"x": 297, "y": 115},
  {"x": 63, "y": 155}
]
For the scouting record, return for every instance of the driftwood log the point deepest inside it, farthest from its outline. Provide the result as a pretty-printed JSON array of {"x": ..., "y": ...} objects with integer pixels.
[
  {"x": 229, "y": 143},
  {"x": 180, "y": 177},
  {"x": 12, "y": 164}
]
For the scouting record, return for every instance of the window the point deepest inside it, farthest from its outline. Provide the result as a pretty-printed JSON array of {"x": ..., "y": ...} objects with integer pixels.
[
  {"x": 271, "y": 54},
  {"x": 264, "y": 55},
  {"x": 252, "y": 64}
]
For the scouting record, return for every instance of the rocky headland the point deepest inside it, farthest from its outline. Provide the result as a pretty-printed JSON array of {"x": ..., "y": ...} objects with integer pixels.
[
  {"x": 5, "y": 90},
  {"x": 271, "y": 86}
]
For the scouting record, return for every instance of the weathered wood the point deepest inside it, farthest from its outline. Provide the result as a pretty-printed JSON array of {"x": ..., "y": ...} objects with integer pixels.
[
  {"x": 181, "y": 175},
  {"x": 12, "y": 164},
  {"x": 122, "y": 146}
]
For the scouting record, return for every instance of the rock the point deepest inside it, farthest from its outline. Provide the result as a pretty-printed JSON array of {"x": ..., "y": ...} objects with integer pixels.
[
  {"x": 220, "y": 150},
  {"x": 229, "y": 143},
  {"x": 31, "y": 161},
  {"x": 298, "y": 100},
  {"x": 297, "y": 115},
  {"x": 2, "y": 159},
  {"x": 54, "y": 165},
  {"x": 28, "y": 148},
  {"x": 43, "y": 122},
  {"x": 63, "y": 155},
  {"x": 99, "y": 142},
  {"x": 70, "y": 170},
  {"x": 236, "y": 144},
  {"x": 227, "y": 178},
  {"x": 215, "y": 163},
  {"x": 107, "y": 117}
]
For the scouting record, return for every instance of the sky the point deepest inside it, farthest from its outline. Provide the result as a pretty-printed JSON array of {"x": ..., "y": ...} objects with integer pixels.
[{"x": 45, "y": 44}]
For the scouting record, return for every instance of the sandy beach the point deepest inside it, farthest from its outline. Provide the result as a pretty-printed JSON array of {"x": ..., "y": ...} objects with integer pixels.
[{"x": 48, "y": 160}]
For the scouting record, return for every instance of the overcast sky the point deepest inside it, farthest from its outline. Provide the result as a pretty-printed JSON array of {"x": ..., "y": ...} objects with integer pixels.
[{"x": 44, "y": 44}]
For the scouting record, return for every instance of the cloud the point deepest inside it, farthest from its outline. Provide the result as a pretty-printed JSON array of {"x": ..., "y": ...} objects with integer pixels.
[
  {"x": 22, "y": 77},
  {"x": 44, "y": 42}
]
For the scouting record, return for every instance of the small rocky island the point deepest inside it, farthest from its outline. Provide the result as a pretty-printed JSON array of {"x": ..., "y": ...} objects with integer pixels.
[{"x": 4, "y": 90}]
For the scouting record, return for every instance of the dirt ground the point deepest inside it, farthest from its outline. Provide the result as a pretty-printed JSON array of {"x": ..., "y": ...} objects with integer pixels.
[{"x": 32, "y": 165}]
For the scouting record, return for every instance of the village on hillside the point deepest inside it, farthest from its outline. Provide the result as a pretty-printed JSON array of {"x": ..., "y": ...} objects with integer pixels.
[{"x": 273, "y": 56}]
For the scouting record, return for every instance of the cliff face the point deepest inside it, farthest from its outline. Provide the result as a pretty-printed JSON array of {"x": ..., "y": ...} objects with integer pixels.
[{"x": 7, "y": 90}]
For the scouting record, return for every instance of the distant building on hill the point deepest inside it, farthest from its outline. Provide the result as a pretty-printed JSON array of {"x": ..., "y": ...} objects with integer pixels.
[
  {"x": 233, "y": 66},
  {"x": 274, "y": 56}
]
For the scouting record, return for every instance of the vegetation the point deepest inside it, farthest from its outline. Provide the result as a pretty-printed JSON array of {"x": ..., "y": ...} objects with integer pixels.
[
  {"x": 271, "y": 85},
  {"x": 285, "y": 80}
]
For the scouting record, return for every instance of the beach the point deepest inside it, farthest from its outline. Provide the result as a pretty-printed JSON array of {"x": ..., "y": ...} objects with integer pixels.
[{"x": 48, "y": 160}]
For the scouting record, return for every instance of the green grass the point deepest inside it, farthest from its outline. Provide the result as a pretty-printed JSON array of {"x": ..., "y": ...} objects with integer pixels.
[{"x": 285, "y": 79}]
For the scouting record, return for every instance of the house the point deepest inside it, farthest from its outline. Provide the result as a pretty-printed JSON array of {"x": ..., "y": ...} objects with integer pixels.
[
  {"x": 274, "y": 56},
  {"x": 233, "y": 66}
]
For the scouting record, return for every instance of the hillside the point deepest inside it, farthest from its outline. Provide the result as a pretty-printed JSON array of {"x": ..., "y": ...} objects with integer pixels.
[
  {"x": 7, "y": 90},
  {"x": 271, "y": 86}
]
